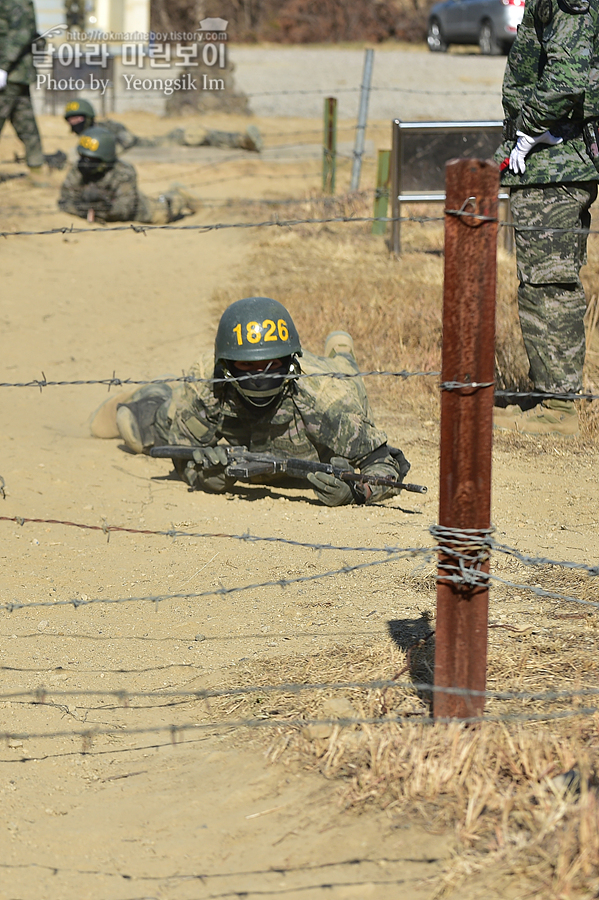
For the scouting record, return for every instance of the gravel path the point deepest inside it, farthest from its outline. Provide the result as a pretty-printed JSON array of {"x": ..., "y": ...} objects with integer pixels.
[{"x": 408, "y": 84}]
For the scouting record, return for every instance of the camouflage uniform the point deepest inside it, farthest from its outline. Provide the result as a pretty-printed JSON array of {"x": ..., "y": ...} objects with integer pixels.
[
  {"x": 17, "y": 33},
  {"x": 317, "y": 419},
  {"x": 115, "y": 198},
  {"x": 125, "y": 139},
  {"x": 233, "y": 140},
  {"x": 551, "y": 84}
]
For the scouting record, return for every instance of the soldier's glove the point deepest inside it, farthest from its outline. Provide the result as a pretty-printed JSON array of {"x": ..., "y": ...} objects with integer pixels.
[
  {"x": 330, "y": 490},
  {"x": 207, "y": 470},
  {"x": 524, "y": 145},
  {"x": 3, "y": 78}
]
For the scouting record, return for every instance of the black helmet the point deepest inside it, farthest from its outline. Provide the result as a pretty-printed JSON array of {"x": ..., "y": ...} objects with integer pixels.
[
  {"x": 97, "y": 143},
  {"x": 252, "y": 330}
]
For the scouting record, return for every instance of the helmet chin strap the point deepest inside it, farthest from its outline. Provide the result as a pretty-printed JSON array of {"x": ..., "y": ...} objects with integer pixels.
[{"x": 250, "y": 385}]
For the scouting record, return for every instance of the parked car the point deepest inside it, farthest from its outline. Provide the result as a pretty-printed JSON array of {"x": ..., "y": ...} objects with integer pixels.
[{"x": 492, "y": 24}]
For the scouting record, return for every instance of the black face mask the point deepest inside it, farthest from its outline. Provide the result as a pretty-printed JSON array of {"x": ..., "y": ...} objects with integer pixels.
[
  {"x": 80, "y": 127},
  {"x": 260, "y": 388},
  {"x": 91, "y": 169}
]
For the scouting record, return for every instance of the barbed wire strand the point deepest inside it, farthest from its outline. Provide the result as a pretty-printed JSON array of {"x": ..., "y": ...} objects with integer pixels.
[
  {"x": 13, "y": 605},
  {"x": 291, "y": 223},
  {"x": 246, "y": 537},
  {"x": 88, "y": 735},
  {"x": 115, "y": 381},
  {"x": 42, "y": 695}
]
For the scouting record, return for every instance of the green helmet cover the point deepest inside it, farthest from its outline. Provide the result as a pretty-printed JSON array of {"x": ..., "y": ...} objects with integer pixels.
[
  {"x": 98, "y": 143},
  {"x": 79, "y": 108},
  {"x": 256, "y": 328}
]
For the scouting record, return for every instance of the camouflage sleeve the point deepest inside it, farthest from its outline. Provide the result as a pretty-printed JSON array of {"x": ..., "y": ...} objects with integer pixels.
[
  {"x": 123, "y": 199},
  {"x": 17, "y": 31},
  {"x": 564, "y": 60},
  {"x": 124, "y": 138},
  {"x": 70, "y": 199}
]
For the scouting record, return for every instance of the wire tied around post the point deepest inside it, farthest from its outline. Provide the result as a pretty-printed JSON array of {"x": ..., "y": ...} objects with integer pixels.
[{"x": 469, "y": 547}]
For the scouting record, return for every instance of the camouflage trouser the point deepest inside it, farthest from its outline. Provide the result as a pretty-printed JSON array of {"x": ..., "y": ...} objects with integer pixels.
[
  {"x": 15, "y": 105},
  {"x": 551, "y": 297},
  {"x": 168, "y": 207}
]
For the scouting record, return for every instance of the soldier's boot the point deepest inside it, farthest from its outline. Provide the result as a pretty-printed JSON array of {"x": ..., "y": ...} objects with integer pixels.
[
  {"x": 184, "y": 200},
  {"x": 554, "y": 417},
  {"x": 252, "y": 140},
  {"x": 505, "y": 418},
  {"x": 103, "y": 420},
  {"x": 136, "y": 419},
  {"x": 339, "y": 343},
  {"x": 172, "y": 206}
]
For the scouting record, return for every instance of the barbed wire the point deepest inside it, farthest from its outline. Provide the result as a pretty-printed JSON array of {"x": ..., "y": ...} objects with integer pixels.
[
  {"x": 88, "y": 735},
  {"x": 387, "y": 88},
  {"x": 192, "y": 379},
  {"x": 75, "y": 602},
  {"x": 42, "y": 695},
  {"x": 246, "y": 537},
  {"x": 278, "y": 869},
  {"x": 458, "y": 546},
  {"x": 140, "y": 228},
  {"x": 115, "y": 381},
  {"x": 216, "y": 226},
  {"x": 455, "y": 542}
]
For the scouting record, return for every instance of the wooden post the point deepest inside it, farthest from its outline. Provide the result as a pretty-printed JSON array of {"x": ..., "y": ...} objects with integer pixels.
[
  {"x": 396, "y": 163},
  {"x": 329, "y": 149},
  {"x": 468, "y": 359},
  {"x": 381, "y": 193}
]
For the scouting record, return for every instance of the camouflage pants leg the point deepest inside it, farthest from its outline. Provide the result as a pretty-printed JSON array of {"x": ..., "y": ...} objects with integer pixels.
[
  {"x": 168, "y": 207},
  {"x": 551, "y": 298},
  {"x": 15, "y": 105}
]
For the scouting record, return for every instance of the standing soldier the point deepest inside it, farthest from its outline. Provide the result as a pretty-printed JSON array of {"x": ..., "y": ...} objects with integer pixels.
[
  {"x": 17, "y": 33},
  {"x": 551, "y": 103}
]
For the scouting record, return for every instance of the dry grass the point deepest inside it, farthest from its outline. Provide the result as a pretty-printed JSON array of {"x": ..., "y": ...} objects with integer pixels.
[
  {"x": 491, "y": 783},
  {"x": 518, "y": 836},
  {"x": 342, "y": 277}
]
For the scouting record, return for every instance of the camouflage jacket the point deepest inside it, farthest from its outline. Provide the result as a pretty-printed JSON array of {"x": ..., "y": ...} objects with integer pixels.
[
  {"x": 551, "y": 83},
  {"x": 318, "y": 418},
  {"x": 125, "y": 139},
  {"x": 114, "y": 198},
  {"x": 18, "y": 31}
]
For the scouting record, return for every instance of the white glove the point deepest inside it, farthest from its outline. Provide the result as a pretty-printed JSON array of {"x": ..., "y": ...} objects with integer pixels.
[
  {"x": 524, "y": 145},
  {"x": 3, "y": 78}
]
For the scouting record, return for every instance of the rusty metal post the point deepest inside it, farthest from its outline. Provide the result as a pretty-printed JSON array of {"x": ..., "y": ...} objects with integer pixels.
[{"x": 468, "y": 355}]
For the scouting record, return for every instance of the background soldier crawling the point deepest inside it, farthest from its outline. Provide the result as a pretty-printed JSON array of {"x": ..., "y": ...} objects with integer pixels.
[
  {"x": 260, "y": 404},
  {"x": 80, "y": 115},
  {"x": 104, "y": 188}
]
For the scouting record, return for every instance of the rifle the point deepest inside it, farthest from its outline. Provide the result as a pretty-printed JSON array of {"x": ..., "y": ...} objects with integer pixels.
[{"x": 244, "y": 465}]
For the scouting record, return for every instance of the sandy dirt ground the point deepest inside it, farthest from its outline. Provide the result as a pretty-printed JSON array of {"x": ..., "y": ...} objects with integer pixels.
[{"x": 154, "y": 796}]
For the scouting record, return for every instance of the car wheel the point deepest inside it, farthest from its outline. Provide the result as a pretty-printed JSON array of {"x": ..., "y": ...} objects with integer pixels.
[
  {"x": 435, "y": 40},
  {"x": 488, "y": 43}
]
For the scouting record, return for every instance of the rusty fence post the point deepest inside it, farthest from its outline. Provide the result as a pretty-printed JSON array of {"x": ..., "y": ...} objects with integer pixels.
[{"x": 468, "y": 359}]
